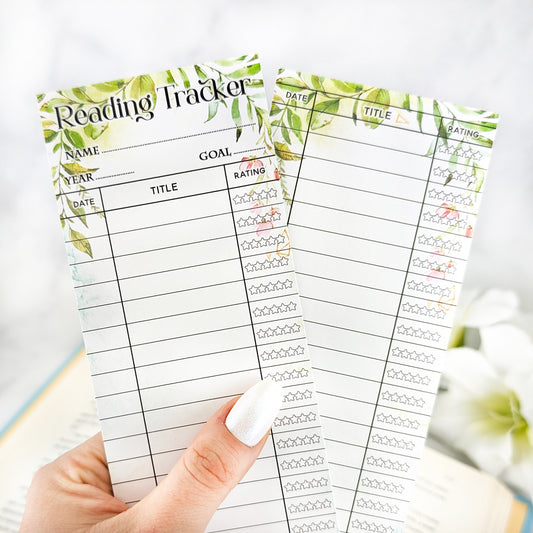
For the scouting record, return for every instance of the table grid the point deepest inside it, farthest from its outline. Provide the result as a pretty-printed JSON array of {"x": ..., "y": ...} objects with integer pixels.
[{"x": 379, "y": 262}]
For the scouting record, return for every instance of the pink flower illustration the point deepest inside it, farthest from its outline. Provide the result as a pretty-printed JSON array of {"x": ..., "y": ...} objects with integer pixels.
[
  {"x": 266, "y": 225},
  {"x": 447, "y": 211},
  {"x": 247, "y": 163},
  {"x": 276, "y": 173},
  {"x": 469, "y": 231}
]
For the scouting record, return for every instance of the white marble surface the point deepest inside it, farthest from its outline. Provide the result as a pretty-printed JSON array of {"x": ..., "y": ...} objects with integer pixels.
[{"x": 477, "y": 53}]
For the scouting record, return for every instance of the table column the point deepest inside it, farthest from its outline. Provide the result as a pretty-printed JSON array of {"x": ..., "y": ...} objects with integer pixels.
[{"x": 184, "y": 302}]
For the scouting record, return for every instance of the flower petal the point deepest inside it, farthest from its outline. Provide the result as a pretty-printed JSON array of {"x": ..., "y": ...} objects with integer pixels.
[
  {"x": 471, "y": 371},
  {"x": 494, "y": 306},
  {"x": 507, "y": 347},
  {"x": 494, "y": 454}
]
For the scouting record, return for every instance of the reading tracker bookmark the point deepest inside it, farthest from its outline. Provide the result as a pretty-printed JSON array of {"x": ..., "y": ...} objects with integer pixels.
[
  {"x": 383, "y": 190},
  {"x": 175, "y": 232}
]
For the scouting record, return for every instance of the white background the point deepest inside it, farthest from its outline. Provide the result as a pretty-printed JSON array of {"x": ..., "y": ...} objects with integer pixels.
[{"x": 477, "y": 53}]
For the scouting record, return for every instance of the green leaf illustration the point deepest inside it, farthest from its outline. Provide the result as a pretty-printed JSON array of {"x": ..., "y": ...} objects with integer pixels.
[
  {"x": 346, "y": 87},
  {"x": 200, "y": 73},
  {"x": 249, "y": 70},
  {"x": 76, "y": 168},
  {"x": 109, "y": 86},
  {"x": 141, "y": 86},
  {"x": 212, "y": 109},
  {"x": 185, "y": 78},
  {"x": 49, "y": 135},
  {"x": 292, "y": 83},
  {"x": 284, "y": 152},
  {"x": 75, "y": 138},
  {"x": 80, "y": 242},
  {"x": 328, "y": 107},
  {"x": 94, "y": 130}
]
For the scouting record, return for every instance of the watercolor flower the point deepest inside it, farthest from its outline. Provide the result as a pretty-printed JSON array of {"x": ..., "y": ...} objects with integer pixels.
[
  {"x": 250, "y": 162},
  {"x": 469, "y": 231},
  {"x": 486, "y": 407},
  {"x": 477, "y": 311},
  {"x": 276, "y": 174},
  {"x": 448, "y": 211}
]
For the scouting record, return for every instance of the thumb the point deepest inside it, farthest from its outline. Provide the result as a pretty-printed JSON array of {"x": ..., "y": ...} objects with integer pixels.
[{"x": 217, "y": 459}]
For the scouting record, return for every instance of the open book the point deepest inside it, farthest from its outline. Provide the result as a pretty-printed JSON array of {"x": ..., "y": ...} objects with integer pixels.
[{"x": 449, "y": 497}]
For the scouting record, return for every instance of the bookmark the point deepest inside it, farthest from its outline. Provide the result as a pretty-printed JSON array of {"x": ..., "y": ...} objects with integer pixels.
[
  {"x": 175, "y": 233},
  {"x": 383, "y": 189}
]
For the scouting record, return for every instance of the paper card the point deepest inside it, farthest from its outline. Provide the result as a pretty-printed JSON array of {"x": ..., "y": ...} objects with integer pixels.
[
  {"x": 175, "y": 233},
  {"x": 383, "y": 190}
]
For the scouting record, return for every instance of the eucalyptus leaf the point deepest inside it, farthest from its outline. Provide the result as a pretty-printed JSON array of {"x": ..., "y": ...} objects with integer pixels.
[
  {"x": 284, "y": 152},
  {"x": 76, "y": 168},
  {"x": 292, "y": 83},
  {"x": 49, "y": 135},
  {"x": 249, "y": 70},
  {"x": 75, "y": 138},
  {"x": 212, "y": 109},
  {"x": 80, "y": 241},
  {"x": 235, "y": 113},
  {"x": 141, "y": 86}
]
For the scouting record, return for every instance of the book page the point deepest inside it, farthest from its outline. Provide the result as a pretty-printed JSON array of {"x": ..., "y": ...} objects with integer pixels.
[
  {"x": 450, "y": 496},
  {"x": 62, "y": 417},
  {"x": 383, "y": 191},
  {"x": 173, "y": 218}
]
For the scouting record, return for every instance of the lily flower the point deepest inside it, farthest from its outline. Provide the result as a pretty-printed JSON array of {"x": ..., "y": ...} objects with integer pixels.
[{"x": 485, "y": 409}]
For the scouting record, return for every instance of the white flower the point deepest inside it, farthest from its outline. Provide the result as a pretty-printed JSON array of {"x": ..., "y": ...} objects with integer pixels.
[
  {"x": 476, "y": 311},
  {"x": 487, "y": 409}
]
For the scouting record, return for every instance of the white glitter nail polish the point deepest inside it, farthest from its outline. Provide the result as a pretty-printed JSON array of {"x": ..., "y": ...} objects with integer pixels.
[{"x": 255, "y": 411}]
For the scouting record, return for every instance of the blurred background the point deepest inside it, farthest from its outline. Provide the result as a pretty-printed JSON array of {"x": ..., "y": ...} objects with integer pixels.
[{"x": 477, "y": 53}]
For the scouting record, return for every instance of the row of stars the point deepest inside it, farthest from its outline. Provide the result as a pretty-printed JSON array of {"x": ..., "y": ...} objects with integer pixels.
[
  {"x": 298, "y": 396},
  {"x": 289, "y": 374},
  {"x": 413, "y": 355},
  {"x": 310, "y": 506},
  {"x": 257, "y": 219},
  {"x": 419, "y": 333},
  {"x": 413, "y": 401},
  {"x": 378, "y": 506},
  {"x": 306, "y": 484},
  {"x": 382, "y": 485},
  {"x": 398, "y": 421},
  {"x": 460, "y": 176},
  {"x": 295, "y": 419},
  {"x": 437, "y": 219},
  {"x": 371, "y": 526},
  {"x": 314, "y": 526},
  {"x": 263, "y": 241},
  {"x": 461, "y": 152},
  {"x": 434, "y": 265},
  {"x": 306, "y": 440},
  {"x": 274, "y": 309},
  {"x": 429, "y": 288},
  {"x": 408, "y": 376},
  {"x": 387, "y": 463},
  {"x": 271, "y": 287},
  {"x": 282, "y": 353},
  {"x": 302, "y": 463},
  {"x": 278, "y": 330},
  {"x": 450, "y": 197},
  {"x": 423, "y": 311},
  {"x": 393, "y": 442},
  {"x": 263, "y": 265},
  {"x": 265, "y": 194},
  {"x": 428, "y": 240}
]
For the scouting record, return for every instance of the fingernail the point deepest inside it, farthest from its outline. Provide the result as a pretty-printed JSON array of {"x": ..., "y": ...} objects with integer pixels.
[{"x": 253, "y": 414}]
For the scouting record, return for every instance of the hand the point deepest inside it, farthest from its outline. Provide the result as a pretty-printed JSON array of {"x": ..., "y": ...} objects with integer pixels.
[{"x": 74, "y": 494}]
